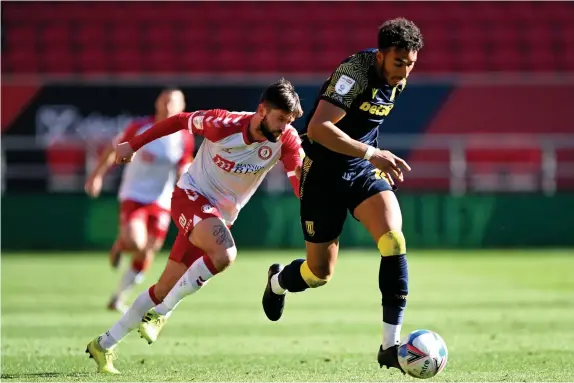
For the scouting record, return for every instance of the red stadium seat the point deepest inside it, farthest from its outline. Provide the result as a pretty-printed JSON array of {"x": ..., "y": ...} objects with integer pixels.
[
  {"x": 55, "y": 36},
  {"x": 89, "y": 36},
  {"x": 303, "y": 36},
  {"x": 125, "y": 61},
  {"x": 124, "y": 36},
  {"x": 92, "y": 61},
  {"x": 22, "y": 36},
  {"x": 58, "y": 61},
  {"x": 21, "y": 61}
]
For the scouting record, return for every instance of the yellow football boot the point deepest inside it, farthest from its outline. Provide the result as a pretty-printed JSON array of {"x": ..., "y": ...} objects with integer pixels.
[
  {"x": 151, "y": 325},
  {"x": 104, "y": 358}
]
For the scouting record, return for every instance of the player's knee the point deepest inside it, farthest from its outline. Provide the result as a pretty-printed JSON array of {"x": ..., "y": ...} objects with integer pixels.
[
  {"x": 154, "y": 245},
  {"x": 317, "y": 277},
  {"x": 223, "y": 258},
  {"x": 131, "y": 241},
  {"x": 127, "y": 241},
  {"x": 392, "y": 243}
]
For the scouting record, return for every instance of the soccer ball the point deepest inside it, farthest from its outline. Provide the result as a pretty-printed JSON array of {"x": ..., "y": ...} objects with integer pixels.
[{"x": 422, "y": 354}]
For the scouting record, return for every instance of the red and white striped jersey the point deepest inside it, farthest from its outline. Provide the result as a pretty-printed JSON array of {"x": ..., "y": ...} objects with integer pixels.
[
  {"x": 229, "y": 167},
  {"x": 151, "y": 176}
]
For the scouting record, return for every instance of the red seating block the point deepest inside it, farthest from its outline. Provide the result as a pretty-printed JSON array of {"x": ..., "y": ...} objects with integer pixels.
[{"x": 286, "y": 36}]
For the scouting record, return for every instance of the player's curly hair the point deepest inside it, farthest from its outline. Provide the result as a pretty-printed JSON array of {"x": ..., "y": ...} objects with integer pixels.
[
  {"x": 282, "y": 95},
  {"x": 400, "y": 33}
]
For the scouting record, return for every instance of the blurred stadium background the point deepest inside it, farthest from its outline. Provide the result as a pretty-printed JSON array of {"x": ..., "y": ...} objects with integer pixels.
[{"x": 485, "y": 122}]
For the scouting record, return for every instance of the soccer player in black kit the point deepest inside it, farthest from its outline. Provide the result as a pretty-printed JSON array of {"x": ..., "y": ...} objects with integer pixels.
[{"x": 344, "y": 170}]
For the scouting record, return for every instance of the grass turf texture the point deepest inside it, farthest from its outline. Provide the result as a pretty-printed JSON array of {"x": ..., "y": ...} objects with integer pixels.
[{"x": 505, "y": 316}]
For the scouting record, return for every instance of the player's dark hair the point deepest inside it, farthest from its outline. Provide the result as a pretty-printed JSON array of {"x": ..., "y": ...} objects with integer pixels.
[
  {"x": 281, "y": 95},
  {"x": 401, "y": 34}
]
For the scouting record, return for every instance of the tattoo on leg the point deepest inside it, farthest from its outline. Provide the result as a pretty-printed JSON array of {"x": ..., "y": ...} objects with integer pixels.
[{"x": 222, "y": 236}]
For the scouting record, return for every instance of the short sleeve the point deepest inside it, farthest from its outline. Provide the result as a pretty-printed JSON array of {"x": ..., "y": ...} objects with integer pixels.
[{"x": 347, "y": 82}]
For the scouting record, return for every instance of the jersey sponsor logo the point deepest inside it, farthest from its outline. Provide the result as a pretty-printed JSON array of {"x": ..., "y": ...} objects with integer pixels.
[
  {"x": 344, "y": 85},
  {"x": 377, "y": 110},
  {"x": 265, "y": 152},
  {"x": 222, "y": 163},
  {"x": 233, "y": 167},
  {"x": 247, "y": 168}
]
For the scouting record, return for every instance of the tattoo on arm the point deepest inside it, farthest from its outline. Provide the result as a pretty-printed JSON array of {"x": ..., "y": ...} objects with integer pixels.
[{"x": 223, "y": 236}]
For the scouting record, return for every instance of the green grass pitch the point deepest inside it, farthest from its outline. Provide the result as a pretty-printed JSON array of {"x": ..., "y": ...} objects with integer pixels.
[{"x": 505, "y": 316}]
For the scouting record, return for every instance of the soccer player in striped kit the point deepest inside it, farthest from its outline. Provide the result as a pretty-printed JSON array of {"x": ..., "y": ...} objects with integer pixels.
[
  {"x": 145, "y": 191},
  {"x": 238, "y": 150}
]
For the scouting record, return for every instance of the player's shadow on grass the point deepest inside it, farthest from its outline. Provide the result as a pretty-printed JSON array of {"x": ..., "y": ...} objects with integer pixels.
[{"x": 19, "y": 377}]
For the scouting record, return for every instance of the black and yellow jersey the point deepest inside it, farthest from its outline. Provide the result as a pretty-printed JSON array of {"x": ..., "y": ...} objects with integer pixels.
[{"x": 355, "y": 87}]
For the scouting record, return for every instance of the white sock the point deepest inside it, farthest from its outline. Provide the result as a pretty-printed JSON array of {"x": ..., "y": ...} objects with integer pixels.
[
  {"x": 130, "y": 278},
  {"x": 194, "y": 278},
  {"x": 391, "y": 335},
  {"x": 128, "y": 321},
  {"x": 275, "y": 286}
]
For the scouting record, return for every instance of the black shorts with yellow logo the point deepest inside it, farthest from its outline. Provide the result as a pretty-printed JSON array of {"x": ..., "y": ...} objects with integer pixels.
[{"x": 327, "y": 194}]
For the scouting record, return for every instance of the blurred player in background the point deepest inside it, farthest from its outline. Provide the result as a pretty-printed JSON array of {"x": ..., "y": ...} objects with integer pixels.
[
  {"x": 238, "y": 151},
  {"x": 344, "y": 171},
  {"x": 145, "y": 191}
]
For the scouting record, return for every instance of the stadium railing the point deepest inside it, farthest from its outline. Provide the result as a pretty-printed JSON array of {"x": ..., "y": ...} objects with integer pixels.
[{"x": 455, "y": 164}]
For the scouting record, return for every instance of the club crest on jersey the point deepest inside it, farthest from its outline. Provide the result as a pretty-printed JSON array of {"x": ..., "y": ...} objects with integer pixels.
[
  {"x": 265, "y": 152},
  {"x": 344, "y": 85},
  {"x": 207, "y": 209}
]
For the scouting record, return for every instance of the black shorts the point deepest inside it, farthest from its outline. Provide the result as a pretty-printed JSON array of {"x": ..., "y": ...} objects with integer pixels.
[{"x": 327, "y": 194}]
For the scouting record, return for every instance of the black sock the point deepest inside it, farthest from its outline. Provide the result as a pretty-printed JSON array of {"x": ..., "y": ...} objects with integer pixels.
[
  {"x": 290, "y": 278},
  {"x": 394, "y": 286}
]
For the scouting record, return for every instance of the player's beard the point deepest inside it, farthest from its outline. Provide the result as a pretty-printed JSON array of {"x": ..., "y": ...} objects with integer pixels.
[
  {"x": 267, "y": 133},
  {"x": 393, "y": 81}
]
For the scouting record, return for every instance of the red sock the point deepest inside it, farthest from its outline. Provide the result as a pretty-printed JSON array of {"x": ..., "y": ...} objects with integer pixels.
[
  {"x": 140, "y": 265},
  {"x": 152, "y": 295},
  {"x": 209, "y": 265}
]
